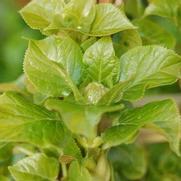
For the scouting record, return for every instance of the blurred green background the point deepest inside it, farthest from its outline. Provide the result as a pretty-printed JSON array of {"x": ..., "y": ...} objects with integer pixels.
[{"x": 13, "y": 43}]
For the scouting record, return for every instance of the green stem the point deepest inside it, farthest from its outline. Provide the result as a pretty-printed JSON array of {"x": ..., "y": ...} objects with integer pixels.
[{"x": 64, "y": 170}]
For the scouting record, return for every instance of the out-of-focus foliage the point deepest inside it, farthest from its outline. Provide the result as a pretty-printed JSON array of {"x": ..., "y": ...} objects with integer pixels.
[
  {"x": 154, "y": 162},
  {"x": 12, "y": 44}
]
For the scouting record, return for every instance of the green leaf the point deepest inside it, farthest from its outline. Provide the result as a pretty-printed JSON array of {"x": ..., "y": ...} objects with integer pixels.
[
  {"x": 125, "y": 40},
  {"x": 146, "y": 67},
  {"x": 33, "y": 124},
  {"x": 152, "y": 33},
  {"x": 38, "y": 167},
  {"x": 130, "y": 160},
  {"x": 80, "y": 119},
  {"x": 61, "y": 58},
  {"x": 163, "y": 114},
  {"x": 102, "y": 65},
  {"x": 38, "y": 14},
  {"x": 78, "y": 173},
  {"x": 164, "y": 8},
  {"x": 109, "y": 20}
]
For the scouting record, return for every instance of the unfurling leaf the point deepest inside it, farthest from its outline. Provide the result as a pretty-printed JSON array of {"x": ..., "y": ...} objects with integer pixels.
[{"x": 162, "y": 114}]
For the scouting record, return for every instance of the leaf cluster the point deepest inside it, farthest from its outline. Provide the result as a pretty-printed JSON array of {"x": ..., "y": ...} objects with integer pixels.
[{"x": 71, "y": 116}]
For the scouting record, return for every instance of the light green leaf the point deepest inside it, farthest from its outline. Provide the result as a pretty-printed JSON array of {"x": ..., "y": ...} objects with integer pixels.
[
  {"x": 22, "y": 121},
  {"x": 130, "y": 160},
  {"x": 109, "y": 20},
  {"x": 152, "y": 33},
  {"x": 61, "y": 58},
  {"x": 125, "y": 40},
  {"x": 38, "y": 14},
  {"x": 163, "y": 114},
  {"x": 147, "y": 67},
  {"x": 38, "y": 167},
  {"x": 78, "y": 173},
  {"x": 65, "y": 52},
  {"x": 102, "y": 65},
  {"x": 80, "y": 119},
  {"x": 164, "y": 8}
]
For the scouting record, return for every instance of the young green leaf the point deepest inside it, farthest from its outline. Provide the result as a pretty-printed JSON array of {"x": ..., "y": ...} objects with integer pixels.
[
  {"x": 109, "y": 20},
  {"x": 80, "y": 119},
  {"x": 163, "y": 114},
  {"x": 38, "y": 14},
  {"x": 130, "y": 160},
  {"x": 147, "y": 67},
  {"x": 61, "y": 58},
  {"x": 102, "y": 65},
  {"x": 78, "y": 173},
  {"x": 153, "y": 33},
  {"x": 37, "y": 167},
  {"x": 94, "y": 92},
  {"x": 22, "y": 121}
]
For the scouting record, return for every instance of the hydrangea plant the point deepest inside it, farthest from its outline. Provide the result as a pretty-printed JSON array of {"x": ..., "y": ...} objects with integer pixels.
[{"x": 75, "y": 118}]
